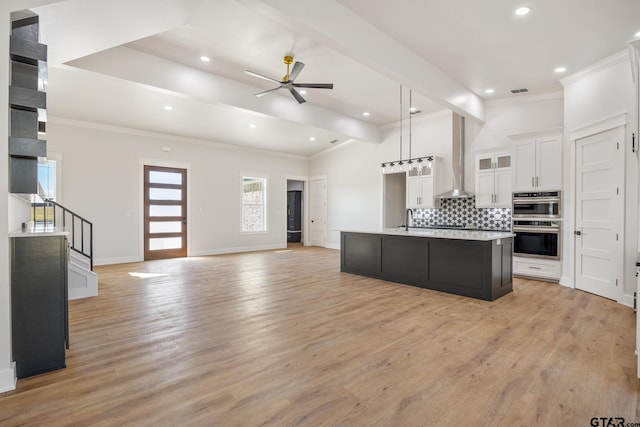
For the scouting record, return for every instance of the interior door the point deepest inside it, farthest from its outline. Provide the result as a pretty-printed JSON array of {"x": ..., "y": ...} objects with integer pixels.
[
  {"x": 318, "y": 212},
  {"x": 599, "y": 211},
  {"x": 165, "y": 212}
]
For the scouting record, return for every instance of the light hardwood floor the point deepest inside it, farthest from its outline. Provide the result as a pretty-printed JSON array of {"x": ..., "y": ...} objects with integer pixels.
[{"x": 283, "y": 338}]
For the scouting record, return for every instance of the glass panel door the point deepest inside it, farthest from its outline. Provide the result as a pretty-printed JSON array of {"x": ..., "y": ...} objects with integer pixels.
[{"x": 165, "y": 212}]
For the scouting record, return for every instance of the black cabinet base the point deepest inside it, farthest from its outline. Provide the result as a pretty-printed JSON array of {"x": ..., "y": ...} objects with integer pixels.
[
  {"x": 39, "y": 303},
  {"x": 472, "y": 268}
]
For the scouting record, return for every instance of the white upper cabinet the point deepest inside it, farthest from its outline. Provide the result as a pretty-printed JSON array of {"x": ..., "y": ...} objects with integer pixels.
[
  {"x": 537, "y": 163},
  {"x": 424, "y": 184},
  {"x": 493, "y": 180}
]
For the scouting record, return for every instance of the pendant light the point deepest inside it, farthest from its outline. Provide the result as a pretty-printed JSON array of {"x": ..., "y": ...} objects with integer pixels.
[{"x": 406, "y": 165}]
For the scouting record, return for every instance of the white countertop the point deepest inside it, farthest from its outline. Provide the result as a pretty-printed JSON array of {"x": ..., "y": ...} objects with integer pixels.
[
  {"x": 440, "y": 233},
  {"x": 39, "y": 231}
]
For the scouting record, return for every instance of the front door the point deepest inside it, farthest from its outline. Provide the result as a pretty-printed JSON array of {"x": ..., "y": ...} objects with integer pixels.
[
  {"x": 318, "y": 212},
  {"x": 165, "y": 212},
  {"x": 599, "y": 213}
]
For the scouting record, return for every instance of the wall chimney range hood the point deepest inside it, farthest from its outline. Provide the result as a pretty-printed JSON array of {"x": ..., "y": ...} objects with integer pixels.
[{"x": 457, "y": 160}]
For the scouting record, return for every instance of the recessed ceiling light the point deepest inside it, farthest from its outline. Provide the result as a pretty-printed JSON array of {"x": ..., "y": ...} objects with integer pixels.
[
  {"x": 489, "y": 90},
  {"x": 524, "y": 10},
  {"x": 205, "y": 58},
  {"x": 366, "y": 114},
  {"x": 252, "y": 126},
  {"x": 413, "y": 109},
  {"x": 313, "y": 138},
  {"x": 168, "y": 107},
  {"x": 560, "y": 69},
  {"x": 303, "y": 92},
  {"x": 637, "y": 34}
]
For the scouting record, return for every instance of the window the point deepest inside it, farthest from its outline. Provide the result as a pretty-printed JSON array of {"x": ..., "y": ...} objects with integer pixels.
[
  {"x": 47, "y": 179},
  {"x": 254, "y": 204}
]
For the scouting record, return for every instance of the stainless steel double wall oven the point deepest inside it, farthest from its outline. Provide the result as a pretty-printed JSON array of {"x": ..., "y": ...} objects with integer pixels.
[{"x": 537, "y": 224}]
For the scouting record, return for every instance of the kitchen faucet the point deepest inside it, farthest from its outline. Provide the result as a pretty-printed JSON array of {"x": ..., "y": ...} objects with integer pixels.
[{"x": 406, "y": 219}]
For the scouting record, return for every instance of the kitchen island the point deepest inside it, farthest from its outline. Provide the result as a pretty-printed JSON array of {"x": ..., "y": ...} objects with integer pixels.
[{"x": 475, "y": 264}]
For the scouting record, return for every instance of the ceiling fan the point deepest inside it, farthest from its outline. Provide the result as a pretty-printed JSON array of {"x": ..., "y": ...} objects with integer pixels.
[{"x": 288, "y": 80}]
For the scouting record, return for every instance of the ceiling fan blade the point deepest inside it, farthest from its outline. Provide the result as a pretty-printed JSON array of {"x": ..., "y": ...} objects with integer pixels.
[
  {"x": 297, "y": 67},
  {"x": 260, "y": 76},
  {"x": 315, "y": 85},
  {"x": 266, "y": 92},
  {"x": 297, "y": 96}
]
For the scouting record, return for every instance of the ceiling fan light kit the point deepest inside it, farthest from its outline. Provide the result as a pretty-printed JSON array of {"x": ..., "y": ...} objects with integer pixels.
[{"x": 288, "y": 80}]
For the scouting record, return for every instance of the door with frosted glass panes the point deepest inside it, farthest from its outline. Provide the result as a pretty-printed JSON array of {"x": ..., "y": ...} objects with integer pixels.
[{"x": 165, "y": 212}]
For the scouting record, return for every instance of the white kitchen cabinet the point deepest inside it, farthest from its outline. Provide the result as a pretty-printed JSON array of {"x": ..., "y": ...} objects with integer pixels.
[
  {"x": 540, "y": 268},
  {"x": 493, "y": 180},
  {"x": 537, "y": 163},
  {"x": 424, "y": 184},
  {"x": 420, "y": 192}
]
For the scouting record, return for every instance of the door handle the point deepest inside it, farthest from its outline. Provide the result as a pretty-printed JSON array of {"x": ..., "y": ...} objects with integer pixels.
[
  {"x": 533, "y": 181},
  {"x": 184, "y": 220},
  {"x": 578, "y": 233}
]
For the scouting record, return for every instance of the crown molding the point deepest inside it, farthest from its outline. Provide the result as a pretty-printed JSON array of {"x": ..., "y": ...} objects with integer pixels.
[{"x": 603, "y": 64}]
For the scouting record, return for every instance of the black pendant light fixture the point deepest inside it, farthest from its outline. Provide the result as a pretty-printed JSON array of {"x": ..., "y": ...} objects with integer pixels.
[{"x": 405, "y": 165}]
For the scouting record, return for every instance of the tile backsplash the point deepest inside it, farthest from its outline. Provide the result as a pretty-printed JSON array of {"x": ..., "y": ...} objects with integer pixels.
[{"x": 463, "y": 212}]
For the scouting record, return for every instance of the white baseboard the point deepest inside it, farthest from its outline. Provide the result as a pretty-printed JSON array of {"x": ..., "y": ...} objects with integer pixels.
[
  {"x": 627, "y": 300},
  {"x": 333, "y": 246},
  {"x": 206, "y": 252},
  {"x": 8, "y": 378},
  {"x": 566, "y": 281},
  {"x": 123, "y": 260},
  {"x": 235, "y": 250}
]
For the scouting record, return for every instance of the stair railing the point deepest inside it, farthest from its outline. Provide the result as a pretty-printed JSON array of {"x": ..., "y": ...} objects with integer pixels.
[{"x": 49, "y": 213}]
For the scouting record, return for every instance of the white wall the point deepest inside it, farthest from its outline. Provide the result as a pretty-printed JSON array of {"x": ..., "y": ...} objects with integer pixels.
[
  {"x": 592, "y": 95},
  {"x": 354, "y": 179},
  {"x": 293, "y": 185},
  {"x": 102, "y": 182},
  {"x": 7, "y": 377}
]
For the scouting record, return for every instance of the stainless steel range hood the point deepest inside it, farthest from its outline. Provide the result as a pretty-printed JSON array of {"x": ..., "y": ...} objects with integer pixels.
[{"x": 457, "y": 160}]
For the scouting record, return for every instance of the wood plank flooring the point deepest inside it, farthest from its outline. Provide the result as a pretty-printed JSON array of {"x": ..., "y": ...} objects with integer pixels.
[{"x": 283, "y": 338}]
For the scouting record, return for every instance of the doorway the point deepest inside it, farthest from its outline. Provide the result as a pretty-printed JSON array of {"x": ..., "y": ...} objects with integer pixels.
[
  {"x": 599, "y": 228},
  {"x": 394, "y": 187},
  {"x": 295, "y": 213},
  {"x": 165, "y": 212}
]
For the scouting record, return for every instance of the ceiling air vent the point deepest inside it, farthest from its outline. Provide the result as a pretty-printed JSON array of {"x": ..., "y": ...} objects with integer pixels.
[
  {"x": 333, "y": 141},
  {"x": 523, "y": 90}
]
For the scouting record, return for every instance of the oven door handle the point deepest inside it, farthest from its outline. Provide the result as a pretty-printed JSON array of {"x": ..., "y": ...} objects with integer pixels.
[
  {"x": 535, "y": 201},
  {"x": 551, "y": 230}
]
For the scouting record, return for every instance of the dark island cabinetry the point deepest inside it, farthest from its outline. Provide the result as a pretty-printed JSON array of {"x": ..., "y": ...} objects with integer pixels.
[
  {"x": 474, "y": 268},
  {"x": 39, "y": 303}
]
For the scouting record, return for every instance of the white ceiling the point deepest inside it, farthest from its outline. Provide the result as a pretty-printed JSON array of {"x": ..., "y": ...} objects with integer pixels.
[{"x": 447, "y": 51}]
